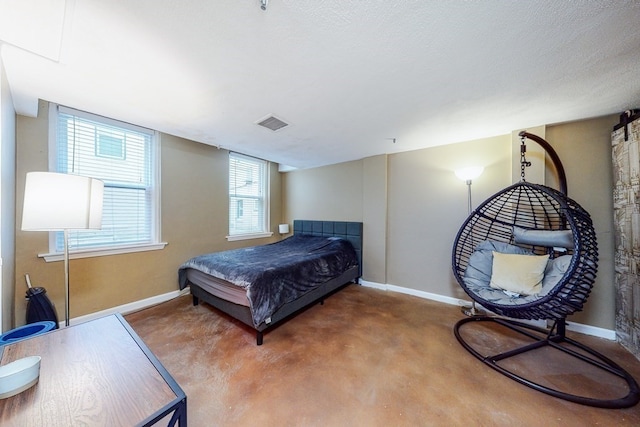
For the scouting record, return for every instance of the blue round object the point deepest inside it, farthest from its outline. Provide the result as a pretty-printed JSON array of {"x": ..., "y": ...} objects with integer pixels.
[{"x": 26, "y": 331}]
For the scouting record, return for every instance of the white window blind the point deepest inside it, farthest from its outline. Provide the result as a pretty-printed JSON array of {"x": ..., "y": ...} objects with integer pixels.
[
  {"x": 123, "y": 156},
  {"x": 247, "y": 195}
]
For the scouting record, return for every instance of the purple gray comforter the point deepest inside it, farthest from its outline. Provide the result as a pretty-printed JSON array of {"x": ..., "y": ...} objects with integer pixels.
[{"x": 277, "y": 273}]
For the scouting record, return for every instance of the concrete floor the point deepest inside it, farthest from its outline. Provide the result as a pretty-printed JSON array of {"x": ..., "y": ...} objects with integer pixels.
[{"x": 366, "y": 358}]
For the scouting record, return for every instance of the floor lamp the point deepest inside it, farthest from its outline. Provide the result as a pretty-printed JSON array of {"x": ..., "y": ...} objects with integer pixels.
[
  {"x": 62, "y": 202},
  {"x": 468, "y": 175}
]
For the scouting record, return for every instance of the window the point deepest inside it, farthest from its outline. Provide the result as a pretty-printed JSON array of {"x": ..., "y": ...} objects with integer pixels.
[
  {"x": 248, "y": 201},
  {"x": 125, "y": 158}
]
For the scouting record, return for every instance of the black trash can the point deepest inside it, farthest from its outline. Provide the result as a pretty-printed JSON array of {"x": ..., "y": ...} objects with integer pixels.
[{"x": 40, "y": 308}]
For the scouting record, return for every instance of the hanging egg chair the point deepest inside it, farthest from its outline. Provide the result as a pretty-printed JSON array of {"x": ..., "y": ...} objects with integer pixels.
[{"x": 529, "y": 252}]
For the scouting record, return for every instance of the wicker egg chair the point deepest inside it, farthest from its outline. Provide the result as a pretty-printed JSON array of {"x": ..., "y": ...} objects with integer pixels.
[{"x": 532, "y": 219}]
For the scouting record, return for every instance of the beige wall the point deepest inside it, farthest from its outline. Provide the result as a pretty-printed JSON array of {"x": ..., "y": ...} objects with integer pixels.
[
  {"x": 375, "y": 172},
  {"x": 194, "y": 221},
  {"x": 411, "y": 203},
  {"x": 351, "y": 191},
  {"x": 584, "y": 147},
  {"x": 331, "y": 193},
  {"x": 426, "y": 204},
  {"x": 7, "y": 196}
]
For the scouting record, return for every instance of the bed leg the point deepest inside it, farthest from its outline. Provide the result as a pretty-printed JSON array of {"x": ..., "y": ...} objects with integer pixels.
[
  {"x": 322, "y": 302},
  {"x": 259, "y": 337},
  {"x": 195, "y": 300}
]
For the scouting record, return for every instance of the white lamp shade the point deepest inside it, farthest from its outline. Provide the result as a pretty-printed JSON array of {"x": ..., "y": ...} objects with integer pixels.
[
  {"x": 468, "y": 174},
  {"x": 58, "y": 201},
  {"x": 283, "y": 228}
]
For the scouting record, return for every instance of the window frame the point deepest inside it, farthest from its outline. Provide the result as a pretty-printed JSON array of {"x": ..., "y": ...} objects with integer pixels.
[
  {"x": 155, "y": 242},
  {"x": 265, "y": 232}
]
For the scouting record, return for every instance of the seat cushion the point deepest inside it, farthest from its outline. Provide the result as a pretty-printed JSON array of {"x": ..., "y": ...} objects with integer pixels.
[{"x": 477, "y": 276}]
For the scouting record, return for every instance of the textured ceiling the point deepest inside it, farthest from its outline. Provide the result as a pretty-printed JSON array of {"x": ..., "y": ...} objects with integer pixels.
[{"x": 349, "y": 76}]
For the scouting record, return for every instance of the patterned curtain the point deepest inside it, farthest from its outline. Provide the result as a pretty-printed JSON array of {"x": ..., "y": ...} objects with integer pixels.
[{"x": 625, "y": 144}]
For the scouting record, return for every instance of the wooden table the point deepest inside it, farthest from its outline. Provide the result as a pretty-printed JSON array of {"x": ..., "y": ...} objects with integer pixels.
[{"x": 97, "y": 373}]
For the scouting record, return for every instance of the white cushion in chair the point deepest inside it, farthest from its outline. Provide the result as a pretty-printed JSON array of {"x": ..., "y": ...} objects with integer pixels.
[{"x": 517, "y": 273}]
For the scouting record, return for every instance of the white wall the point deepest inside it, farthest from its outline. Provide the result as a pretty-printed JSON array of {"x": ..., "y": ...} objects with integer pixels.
[{"x": 8, "y": 198}]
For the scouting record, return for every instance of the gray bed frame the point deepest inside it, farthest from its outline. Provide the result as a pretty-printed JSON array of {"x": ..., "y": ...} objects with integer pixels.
[{"x": 351, "y": 231}]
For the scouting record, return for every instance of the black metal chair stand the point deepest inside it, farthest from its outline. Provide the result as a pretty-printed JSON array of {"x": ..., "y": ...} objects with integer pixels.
[{"x": 556, "y": 339}]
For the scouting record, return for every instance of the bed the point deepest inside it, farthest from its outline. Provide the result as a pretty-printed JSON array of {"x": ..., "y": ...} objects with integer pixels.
[{"x": 264, "y": 285}]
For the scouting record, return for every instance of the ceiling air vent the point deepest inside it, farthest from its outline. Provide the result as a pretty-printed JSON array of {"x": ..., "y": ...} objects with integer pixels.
[{"x": 272, "y": 122}]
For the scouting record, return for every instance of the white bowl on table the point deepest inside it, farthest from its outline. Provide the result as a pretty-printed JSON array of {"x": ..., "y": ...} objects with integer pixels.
[{"x": 16, "y": 377}]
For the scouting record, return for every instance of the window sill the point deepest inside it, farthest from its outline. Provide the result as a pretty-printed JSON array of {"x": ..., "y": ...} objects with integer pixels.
[
  {"x": 90, "y": 253},
  {"x": 248, "y": 236}
]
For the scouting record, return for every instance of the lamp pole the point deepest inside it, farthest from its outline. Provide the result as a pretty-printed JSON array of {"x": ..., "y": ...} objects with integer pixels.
[
  {"x": 469, "y": 193},
  {"x": 468, "y": 175},
  {"x": 66, "y": 277}
]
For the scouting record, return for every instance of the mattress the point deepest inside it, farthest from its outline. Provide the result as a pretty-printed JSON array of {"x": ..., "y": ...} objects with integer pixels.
[{"x": 218, "y": 287}]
